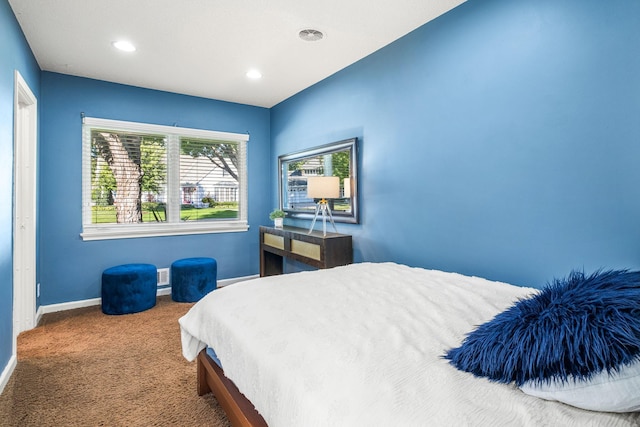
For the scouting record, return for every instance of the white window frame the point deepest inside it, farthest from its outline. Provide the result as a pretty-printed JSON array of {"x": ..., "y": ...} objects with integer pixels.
[{"x": 173, "y": 226}]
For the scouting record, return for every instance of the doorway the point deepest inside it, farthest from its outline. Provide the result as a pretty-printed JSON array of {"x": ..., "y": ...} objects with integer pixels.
[{"x": 24, "y": 195}]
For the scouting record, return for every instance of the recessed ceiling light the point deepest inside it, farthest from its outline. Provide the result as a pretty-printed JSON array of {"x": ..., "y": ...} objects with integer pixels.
[
  {"x": 311, "y": 35},
  {"x": 254, "y": 74},
  {"x": 124, "y": 46}
]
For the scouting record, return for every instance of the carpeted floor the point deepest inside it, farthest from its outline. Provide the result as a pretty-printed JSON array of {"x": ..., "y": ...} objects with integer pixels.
[{"x": 84, "y": 368}]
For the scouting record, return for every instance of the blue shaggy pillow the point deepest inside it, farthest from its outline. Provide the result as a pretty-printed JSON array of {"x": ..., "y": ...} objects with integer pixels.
[{"x": 574, "y": 328}]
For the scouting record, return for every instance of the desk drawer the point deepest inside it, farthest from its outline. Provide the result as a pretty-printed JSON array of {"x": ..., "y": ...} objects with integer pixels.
[
  {"x": 274, "y": 241},
  {"x": 309, "y": 250}
]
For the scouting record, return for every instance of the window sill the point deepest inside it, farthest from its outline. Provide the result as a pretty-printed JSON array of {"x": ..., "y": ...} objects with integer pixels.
[{"x": 132, "y": 231}]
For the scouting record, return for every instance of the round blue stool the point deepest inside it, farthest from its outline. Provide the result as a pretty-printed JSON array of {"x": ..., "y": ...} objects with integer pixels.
[
  {"x": 193, "y": 278},
  {"x": 129, "y": 288}
]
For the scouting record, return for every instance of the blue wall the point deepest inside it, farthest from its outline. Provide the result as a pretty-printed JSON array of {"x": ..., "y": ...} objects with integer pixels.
[
  {"x": 500, "y": 140},
  {"x": 14, "y": 55},
  {"x": 70, "y": 269}
]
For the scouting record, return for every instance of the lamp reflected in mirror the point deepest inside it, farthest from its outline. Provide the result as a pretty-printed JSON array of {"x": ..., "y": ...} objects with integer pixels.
[{"x": 323, "y": 188}]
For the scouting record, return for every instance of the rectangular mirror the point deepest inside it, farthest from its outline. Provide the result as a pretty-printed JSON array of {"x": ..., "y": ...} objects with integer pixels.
[{"x": 337, "y": 159}]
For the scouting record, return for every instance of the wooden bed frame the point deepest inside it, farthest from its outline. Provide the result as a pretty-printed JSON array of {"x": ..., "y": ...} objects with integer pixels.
[{"x": 237, "y": 407}]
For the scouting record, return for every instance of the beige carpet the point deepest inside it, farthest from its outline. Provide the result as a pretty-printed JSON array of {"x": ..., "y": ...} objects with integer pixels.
[{"x": 84, "y": 368}]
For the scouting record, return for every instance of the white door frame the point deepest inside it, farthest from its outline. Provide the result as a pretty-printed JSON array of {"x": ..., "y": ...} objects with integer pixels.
[{"x": 25, "y": 134}]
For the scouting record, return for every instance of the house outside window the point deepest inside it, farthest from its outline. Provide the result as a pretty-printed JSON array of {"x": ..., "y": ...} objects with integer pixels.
[{"x": 144, "y": 180}]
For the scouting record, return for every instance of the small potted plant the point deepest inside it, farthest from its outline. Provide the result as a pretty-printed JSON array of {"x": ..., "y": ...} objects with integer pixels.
[{"x": 277, "y": 216}]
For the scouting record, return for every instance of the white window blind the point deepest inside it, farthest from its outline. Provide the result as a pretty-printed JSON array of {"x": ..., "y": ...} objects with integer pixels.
[
  {"x": 209, "y": 178},
  {"x": 150, "y": 180}
]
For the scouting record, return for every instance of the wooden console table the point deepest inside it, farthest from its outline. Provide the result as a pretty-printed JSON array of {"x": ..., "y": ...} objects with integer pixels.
[{"x": 313, "y": 249}]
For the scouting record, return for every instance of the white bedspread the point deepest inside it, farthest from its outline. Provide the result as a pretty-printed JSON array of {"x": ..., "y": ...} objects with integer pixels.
[{"x": 360, "y": 345}]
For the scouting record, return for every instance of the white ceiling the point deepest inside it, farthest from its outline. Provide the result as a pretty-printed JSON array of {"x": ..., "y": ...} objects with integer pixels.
[{"x": 205, "y": 47}]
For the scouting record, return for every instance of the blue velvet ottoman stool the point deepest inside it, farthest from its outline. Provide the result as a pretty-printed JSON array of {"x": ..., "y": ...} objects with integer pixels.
[
  {"x": 129, "y": 288},
  {"x": 193, "y": 278}
]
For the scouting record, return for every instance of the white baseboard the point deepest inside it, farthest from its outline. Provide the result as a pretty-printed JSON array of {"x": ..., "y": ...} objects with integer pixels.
[
  {"x": 39, "y": 314},
  {"x": 164, "y": 291},
  {"x": 226, "y": 282},
  {"x": 52, "y": 308},
  {"x": 7, "y": 372}
]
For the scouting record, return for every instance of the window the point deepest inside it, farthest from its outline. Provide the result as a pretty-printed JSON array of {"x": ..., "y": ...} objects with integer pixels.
[{"x": 143, "y": 180}]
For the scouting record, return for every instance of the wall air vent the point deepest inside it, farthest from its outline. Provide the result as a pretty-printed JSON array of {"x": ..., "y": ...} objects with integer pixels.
[{"x": 163, "y": 276}]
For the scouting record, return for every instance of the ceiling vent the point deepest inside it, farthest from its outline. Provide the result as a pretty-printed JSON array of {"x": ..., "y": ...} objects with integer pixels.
[{"x": 311, "y": 35}]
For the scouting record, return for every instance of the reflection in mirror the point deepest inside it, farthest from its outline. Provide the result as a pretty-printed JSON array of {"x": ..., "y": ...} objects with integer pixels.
[{"x": 336, "y": 159}]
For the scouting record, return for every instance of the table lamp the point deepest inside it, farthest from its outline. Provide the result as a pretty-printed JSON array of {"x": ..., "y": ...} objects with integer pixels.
[{"x": 323, "y": 188}]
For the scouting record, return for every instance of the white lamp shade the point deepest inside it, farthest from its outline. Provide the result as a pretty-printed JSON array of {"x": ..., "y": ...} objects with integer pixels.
[
  {"x": 323, "y": 187},
  {"x": 347, "y": 188}
]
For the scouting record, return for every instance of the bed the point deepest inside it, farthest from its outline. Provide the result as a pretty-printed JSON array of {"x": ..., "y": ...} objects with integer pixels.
[{"x": 361, "y": 345}]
